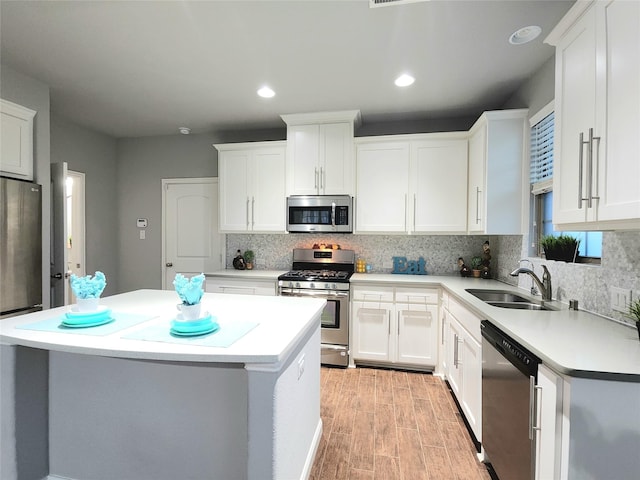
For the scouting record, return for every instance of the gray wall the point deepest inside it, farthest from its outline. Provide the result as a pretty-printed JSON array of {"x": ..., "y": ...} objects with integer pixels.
[
  {"x": 142, "y": 164},
  {"x": 33, "y": 94},
  {"x": 95, "y": 155}
]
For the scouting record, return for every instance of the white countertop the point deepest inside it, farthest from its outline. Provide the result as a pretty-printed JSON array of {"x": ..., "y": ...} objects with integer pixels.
[
  {"x": 574, "y": 343},
  {"x": 247, "y": 274},
  {"x": 283, "y": 322}
]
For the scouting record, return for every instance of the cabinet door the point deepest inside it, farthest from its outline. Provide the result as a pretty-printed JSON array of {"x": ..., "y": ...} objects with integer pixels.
[
  {"x": 417, "y": 334},
  {"x": 235, "y": 202},
  {"x": 371, "y": 324},
  {"x": 268, "y": 192},
  {"x": 16, "y": 130},
  {"x": 382, "y": 171},
  {"x": 439, "y": 186},
  {"x": 576, "y": 73},
  {"x": 619, "y": 177},
  {"x": 549, "y": 421},
  {"x": 303, "y": 172},
  {"x": 471, "y": 398},
  {"x": 454, "y": 359},
  {"x": 476, "y": 192},
  {"x": 336, "y": 159}
]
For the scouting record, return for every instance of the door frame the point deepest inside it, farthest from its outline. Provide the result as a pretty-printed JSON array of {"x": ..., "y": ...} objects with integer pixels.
[{"x": 165, "y": 182}]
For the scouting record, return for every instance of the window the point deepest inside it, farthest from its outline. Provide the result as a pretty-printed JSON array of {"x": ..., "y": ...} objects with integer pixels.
[{"x": 541, "y": 179}]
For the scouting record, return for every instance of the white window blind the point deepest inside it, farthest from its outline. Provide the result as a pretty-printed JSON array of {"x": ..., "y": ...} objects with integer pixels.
[{"x": 542, "y": 151}]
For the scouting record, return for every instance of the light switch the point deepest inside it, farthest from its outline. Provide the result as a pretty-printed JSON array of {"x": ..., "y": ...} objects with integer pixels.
[
  {"x": 143, "y": 234},
  {"x": 620, "y": 299}
]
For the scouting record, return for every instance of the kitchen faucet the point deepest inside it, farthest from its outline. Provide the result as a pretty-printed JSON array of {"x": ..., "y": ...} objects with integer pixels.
[
  {"x": 544, "y": 285},
  {"x": 534, "y": 290}
]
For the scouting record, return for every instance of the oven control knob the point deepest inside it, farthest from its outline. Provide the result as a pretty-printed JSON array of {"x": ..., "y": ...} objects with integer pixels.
[
  {"x": 312, "y": 285},
  {"x": 297, "y": 284}
]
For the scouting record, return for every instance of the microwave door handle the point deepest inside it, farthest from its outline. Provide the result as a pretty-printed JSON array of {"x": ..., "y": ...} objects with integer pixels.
[{"x": 333, "y": 214}]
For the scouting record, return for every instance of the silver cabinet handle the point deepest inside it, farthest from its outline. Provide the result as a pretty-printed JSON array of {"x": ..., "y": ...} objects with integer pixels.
[
  {"x": 315, "y": 185},
  {"x": 398, "y": 319},
  {"x": 247, "y": 212},
  {"x": 253, "y": 212},
  {"x": 532, "y": 404},
  {"x": 580, "y": 169},
  {"x": 442, "y": 328},
  {"x": 596, "y": 176},
  {"x": 455, "y": 350},
  {"x": 322, "y": 179},
  {"x": 405, "y": 212},
  {"x": 590, "y": 170},
  {"x": 478, "y": 205},
  {"x": 389, "y": 328},
  {"x": 414, "y": 211}
]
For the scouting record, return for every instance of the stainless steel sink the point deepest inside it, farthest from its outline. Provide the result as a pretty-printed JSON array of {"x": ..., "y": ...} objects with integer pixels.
[
  {"x": 507, "y": 299},
  {"x": 497, "y": 296}
]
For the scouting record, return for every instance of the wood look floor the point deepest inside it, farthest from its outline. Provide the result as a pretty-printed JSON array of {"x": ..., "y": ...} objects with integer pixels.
[{"x": 391, "y": 425}]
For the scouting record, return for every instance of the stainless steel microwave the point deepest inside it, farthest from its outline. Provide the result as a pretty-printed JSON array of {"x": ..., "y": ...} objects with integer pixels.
[{"x": 320, "y": 213}]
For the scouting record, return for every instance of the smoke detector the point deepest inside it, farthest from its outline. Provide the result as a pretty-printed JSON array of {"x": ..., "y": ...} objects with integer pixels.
[{"x": 184, "y": 130}]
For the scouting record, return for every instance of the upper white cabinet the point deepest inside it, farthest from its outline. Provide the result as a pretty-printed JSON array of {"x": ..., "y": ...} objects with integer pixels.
[
  {"x": 382, "y": 187},
  {"x": 252, "y": 192},
  {"x": 16, "y": 155},
  {"x": 596, "y": 179},
  {"x": 497, "y": 192},
  {"x": 423, "y": 181},
  {"x": 320, "y": 153}
]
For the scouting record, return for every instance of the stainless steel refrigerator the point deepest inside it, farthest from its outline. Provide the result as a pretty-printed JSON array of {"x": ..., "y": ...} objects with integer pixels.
[{"x": 20, "y": 247}]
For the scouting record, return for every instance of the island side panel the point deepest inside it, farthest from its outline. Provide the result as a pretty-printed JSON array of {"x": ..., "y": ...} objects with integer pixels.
[
  {"x": 119, "y": 418},
  {"x": 284, "y": 413},
  {"x": 604, "y": 429},
  {"x": 24, "y": 419}
]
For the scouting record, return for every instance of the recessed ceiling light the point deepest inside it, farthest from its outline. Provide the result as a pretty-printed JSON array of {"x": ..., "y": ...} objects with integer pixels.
[
  {"x": 525, "y": 35},
  {"x": 184, "y": 130},
  {"x": 266, "y": 92},
  {"x": 404, "y": 80}
]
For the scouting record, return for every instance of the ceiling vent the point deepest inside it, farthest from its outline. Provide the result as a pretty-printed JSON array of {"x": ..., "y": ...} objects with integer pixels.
[{"x": 389, "y": 3}]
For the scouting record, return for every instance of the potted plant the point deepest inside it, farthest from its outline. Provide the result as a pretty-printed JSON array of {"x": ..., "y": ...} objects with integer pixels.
[
  {"x": 249, "y": 257},
  {"x": 476, "y": 266},
  {"x": 562, "y": 247},
  {"x": 634, "y": 313}
]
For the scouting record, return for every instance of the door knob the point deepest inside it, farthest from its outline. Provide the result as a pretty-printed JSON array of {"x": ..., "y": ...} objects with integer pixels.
[
  {"x": 168, "y": 264},
  {"x": 57, "y": 275}
]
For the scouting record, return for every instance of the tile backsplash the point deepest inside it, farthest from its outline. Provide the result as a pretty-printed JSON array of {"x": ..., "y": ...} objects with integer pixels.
[{"x": 589, "y": 284}]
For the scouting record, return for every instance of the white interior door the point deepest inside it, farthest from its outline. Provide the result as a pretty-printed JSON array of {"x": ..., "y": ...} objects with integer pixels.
[
  {"x": 59, "y": 237},
  {"x": 76, "y": 261},
  {"x": 191, "y": 241}
]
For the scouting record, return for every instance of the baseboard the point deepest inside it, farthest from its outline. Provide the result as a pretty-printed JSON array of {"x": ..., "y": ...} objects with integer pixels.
[{"x": 308, "y": 464}]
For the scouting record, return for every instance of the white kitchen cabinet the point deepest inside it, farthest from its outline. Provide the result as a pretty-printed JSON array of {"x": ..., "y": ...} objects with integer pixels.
[
  {"x": 252, "y": 192},
  {"x": 497, "y": 184},
  {"x": 382, "y": 187},
  {"x": 464, "y": 362},
  {"x": 438, "y": 185},
  {"x": 16, "y": 129},
  {"x": 395, "y": 325},
  {"x": 320, "y": 158},
  {"x": 240, "y": 286},
  {"x": 423, "y": 178},
  {"x": 596, "y": 178},
  {"x": 549, "y": 421}
]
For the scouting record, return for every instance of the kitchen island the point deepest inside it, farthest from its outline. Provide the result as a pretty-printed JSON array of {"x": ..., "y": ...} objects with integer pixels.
[{"x": 122, "y": 406}]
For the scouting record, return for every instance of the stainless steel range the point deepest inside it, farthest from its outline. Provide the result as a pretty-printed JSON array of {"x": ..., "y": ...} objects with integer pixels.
[{"x": 322, "y": 273}]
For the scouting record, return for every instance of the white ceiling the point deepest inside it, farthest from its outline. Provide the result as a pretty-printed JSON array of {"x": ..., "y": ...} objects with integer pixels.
[{"x": 133, "y": 69}]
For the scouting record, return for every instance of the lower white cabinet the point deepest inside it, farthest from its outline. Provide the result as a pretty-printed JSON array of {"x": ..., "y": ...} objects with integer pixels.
[
  {"x": 549, "y": 423},
  {"x": 463, "y": 362},
  {"x": 250, "y": 286},
  {"x": 395, "y": 325}
]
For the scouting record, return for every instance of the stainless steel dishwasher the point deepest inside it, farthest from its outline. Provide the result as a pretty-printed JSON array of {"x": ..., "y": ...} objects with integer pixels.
[{"x": 509, "y": 405}]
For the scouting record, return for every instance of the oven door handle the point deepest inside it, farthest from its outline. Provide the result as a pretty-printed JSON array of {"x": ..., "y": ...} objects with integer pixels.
[{"x": 314, "y": 293}]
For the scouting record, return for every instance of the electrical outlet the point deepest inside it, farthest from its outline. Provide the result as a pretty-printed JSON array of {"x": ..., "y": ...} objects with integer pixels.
[{"x": 620, "y": 299}]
